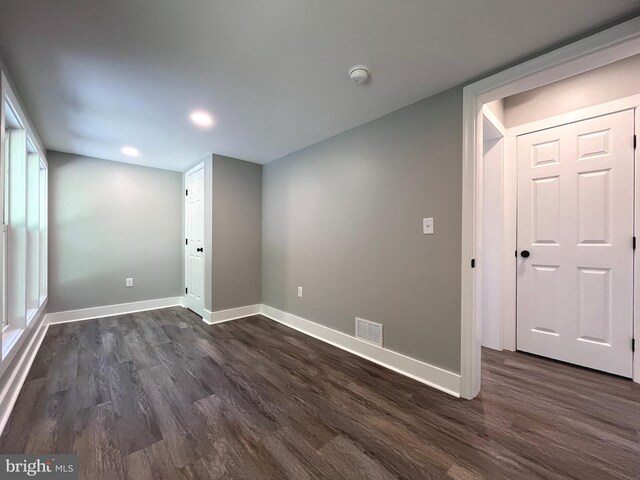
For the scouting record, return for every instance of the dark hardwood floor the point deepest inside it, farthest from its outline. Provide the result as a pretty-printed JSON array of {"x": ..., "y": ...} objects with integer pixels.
[{"x": 161, "y": 395}]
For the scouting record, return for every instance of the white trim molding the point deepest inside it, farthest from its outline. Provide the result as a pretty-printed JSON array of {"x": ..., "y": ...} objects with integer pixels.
[
  {"x": 605, "y": 108},
  {"x": 13, "y": 378},
  {"x": 110, "y": 310},
  {"x": 220, "y": 316},
  {"x": 422, "y": 372},
  {"x": 16, "y": 104},
  {"x": 615, "y": 43}
]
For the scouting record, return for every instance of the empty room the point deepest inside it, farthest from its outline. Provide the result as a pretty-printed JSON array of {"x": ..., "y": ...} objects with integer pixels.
[{"x": 355, "y": 239}]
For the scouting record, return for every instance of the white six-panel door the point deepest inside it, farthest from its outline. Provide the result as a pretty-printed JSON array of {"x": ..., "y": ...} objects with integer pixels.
[
  {"x": 194, "y": 232},
  {"x": 575, "y": 218}
]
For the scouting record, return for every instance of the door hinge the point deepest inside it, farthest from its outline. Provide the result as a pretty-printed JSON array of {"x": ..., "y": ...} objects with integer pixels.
[
  {"x": 473, "y": 263},
  {"x": 186, "y": 192},
  {"x": 186, "y": 241},
  {"x": 635, "y": 142},
  {"x": 633, "y": 344},
  {"x": 186, "y": 290},
  {"x": 634, "y": 243}
]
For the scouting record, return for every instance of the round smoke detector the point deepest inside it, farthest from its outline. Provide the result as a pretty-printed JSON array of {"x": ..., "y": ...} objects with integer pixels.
[{"x": 359, "y": 74}]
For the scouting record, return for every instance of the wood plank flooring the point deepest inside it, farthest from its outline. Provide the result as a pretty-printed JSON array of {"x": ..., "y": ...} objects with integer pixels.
[{"x": 160, "y": 395}]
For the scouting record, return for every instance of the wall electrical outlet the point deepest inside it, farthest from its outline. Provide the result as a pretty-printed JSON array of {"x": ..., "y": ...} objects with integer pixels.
[
  {"x": 129, "y": 282},
  {"x": 427, "y": 226},
  {"x": 300, "y": 292}
]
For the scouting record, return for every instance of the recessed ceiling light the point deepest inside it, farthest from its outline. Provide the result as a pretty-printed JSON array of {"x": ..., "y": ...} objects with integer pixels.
[
  {"x": 202, "y": 119},
  {"x": 130, "y": 151}
]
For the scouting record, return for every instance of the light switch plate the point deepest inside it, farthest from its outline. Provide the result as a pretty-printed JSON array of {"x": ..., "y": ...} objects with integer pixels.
[
  {"x": 129, "y": 282},
  {"x": 300, "y": 292},
  {"x": 427, "y": 226}
]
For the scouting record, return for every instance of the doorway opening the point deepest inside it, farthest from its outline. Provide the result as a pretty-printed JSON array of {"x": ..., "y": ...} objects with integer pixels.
[
  {"x": 194, "y": 221},
  {"x": 549, "y": 159}
]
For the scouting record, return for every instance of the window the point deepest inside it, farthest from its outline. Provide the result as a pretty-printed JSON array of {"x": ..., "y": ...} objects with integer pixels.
[
  {"x": 33, "y": 232},
  {"x": 44, "y": 239},
  {"x": 23, "y": 253},
  {"x": 3, "y": 235}
]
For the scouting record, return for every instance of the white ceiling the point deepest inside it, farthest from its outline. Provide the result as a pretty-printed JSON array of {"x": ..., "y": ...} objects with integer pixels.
[{"x": 98, "y": 75}]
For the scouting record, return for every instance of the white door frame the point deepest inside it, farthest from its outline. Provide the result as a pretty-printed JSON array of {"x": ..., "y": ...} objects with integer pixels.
[
  {"x": 605, "y": 47},
  {"x": 493, "y": 169},
  {"x": 507, "y": 318}
]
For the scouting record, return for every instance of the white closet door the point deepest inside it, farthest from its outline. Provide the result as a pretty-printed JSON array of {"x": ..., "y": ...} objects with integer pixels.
[
  {"x": 575, "y": 219},
  {"x": 194, "y": 231}
]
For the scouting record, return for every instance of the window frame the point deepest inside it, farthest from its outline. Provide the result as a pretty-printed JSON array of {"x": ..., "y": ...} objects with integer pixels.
[{"x": 32, "y": 167}]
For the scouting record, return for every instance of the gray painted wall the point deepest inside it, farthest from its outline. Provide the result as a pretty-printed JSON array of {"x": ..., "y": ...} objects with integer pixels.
[
  {"x": 611, "y": 82},
  {"x": 109, "y": 221},
  {"x": 343, "y": 219},
  {"x": 237, "y": 235}
]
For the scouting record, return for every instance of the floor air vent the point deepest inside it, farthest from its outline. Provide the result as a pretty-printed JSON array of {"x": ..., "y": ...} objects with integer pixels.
[{"x": 369, "y": 331}]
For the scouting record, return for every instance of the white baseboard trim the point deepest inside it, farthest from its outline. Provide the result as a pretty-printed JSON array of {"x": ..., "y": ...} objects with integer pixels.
[
  {"x": 435, "y": 377},
  {"x": 17, "y": 372},
  {"x": 110, "y": 310},
  {"x": 422, "y": 372},
  {"x": 231, "y": 314}
]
